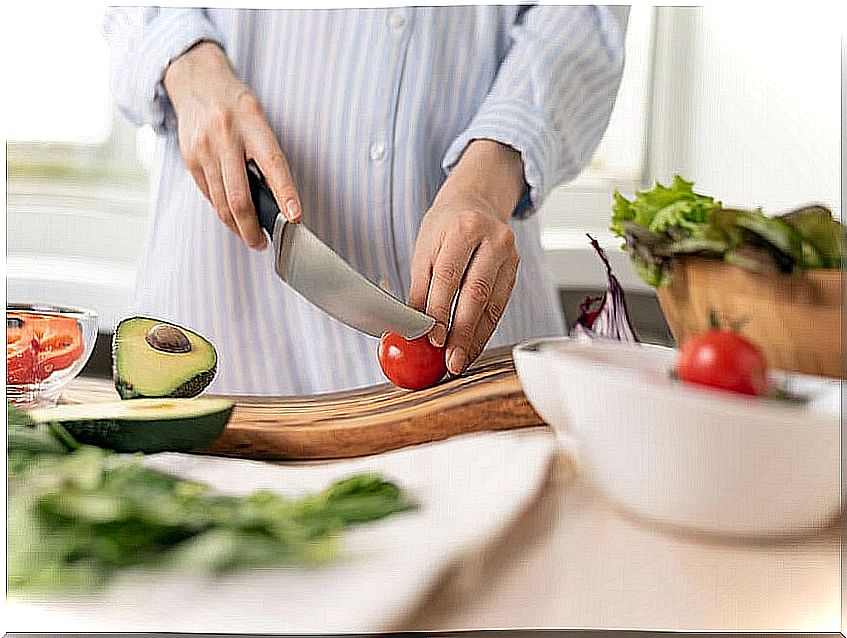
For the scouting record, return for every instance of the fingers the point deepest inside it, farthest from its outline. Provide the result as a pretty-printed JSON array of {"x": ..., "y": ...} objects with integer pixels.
[
  {"x": 196, "y": 170},
  {"x": 481, "y": 299},
  {"x": 448, "y": 269},
  {"x": 274, "y": 166},
  {"x": 217, "y": 195},
  {"x": 421, "y": 274},
  {"x": 217, "y": 140},
  {"x": 239, "y": 200},
  {"x": 493, "y": 312}
]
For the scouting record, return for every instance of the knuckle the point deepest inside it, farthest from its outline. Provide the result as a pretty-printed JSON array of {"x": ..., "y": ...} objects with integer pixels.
[
  {"x": 201, "y": 146},
  {"x": 439, "y": 312},
  {"x": 470, "y": 222},
  {"x": 446, "y": 274},
  {"x": 495, "y": 310},
  {"x": 478, "y": 290},
  {"x": 277, "y": 161},
  {"x": 506, "y": 239},
  {"x": 249, "y": 102},
  {"x": 239, "y": 202},
  {"x": 222, "y": 120}
]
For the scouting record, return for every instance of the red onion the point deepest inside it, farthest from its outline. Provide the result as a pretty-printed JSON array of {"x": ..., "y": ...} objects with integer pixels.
[{"x": 605, "y": 317}]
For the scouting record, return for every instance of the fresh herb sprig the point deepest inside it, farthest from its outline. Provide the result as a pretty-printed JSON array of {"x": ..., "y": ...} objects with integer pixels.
[{"x": 78, "y": 514}]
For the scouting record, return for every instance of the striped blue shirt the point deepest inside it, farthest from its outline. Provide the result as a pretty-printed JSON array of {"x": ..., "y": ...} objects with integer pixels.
[{"x": 372, "y": 108}]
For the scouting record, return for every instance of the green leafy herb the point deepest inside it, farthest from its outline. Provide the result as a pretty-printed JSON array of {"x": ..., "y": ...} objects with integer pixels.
[{"x": 77, "y": 514}]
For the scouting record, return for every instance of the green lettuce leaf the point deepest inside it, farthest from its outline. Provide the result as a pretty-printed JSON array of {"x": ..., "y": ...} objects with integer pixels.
[{"x": 662, "y": 208}]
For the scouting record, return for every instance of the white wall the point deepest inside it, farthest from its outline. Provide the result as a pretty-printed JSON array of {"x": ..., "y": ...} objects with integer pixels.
[{"x": 749, "y": 103}]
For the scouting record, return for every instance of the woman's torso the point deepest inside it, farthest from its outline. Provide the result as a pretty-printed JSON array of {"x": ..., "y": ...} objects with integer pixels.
[{"x": 365, "y": 104}]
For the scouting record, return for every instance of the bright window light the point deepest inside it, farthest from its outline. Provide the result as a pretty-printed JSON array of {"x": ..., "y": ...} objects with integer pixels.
[{"x": 57, "y": 73}]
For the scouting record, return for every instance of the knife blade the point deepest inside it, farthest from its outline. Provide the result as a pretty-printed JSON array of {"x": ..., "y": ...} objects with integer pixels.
[{"x": 320, "y": 275}]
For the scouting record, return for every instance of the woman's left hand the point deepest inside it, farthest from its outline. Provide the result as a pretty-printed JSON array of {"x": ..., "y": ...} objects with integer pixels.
[{"x": 465, "y": 246}]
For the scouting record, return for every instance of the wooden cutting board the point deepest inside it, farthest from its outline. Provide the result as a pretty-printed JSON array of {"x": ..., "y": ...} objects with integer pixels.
[{"x": 363, "y": 421}]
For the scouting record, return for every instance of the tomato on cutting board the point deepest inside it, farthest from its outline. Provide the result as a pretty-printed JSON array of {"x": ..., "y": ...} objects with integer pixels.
[
  {"x": 38, "y": 345},
  {"x": 725, "y": 360},
  {"x": 411, "y": 364}
]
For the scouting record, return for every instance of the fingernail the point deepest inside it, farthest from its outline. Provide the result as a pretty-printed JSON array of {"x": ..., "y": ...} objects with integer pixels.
[
  {"x": 293, "y": 210},
  {"x": 456, "y": 360},
  {"x": 438, "y": 335}
]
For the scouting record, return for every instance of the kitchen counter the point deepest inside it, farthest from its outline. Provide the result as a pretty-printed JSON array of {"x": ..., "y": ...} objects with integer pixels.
[{"x": 574, "y": 560}]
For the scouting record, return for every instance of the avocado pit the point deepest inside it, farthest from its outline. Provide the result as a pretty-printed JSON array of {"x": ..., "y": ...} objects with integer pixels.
[{"x": 170, "y": 339}]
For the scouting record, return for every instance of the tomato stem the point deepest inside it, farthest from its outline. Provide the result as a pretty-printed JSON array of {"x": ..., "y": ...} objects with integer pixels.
[{"x": 714, "y": 320}]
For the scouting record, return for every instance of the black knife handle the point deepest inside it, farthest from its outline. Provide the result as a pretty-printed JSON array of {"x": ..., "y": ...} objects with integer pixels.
[{"x": 263, "y": 200}]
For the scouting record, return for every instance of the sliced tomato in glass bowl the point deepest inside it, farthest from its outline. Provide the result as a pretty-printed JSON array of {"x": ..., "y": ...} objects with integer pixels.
[
  {"x": 21, "y": 352},
  {"x": 46, "y": 347},
  {"x": 37, "y": 345},
  {"x": 59, "y": 346}
]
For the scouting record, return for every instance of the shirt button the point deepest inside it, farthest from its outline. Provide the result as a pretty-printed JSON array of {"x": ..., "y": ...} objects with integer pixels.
[
  {"x": 397, "y": 21},
  {"x": 377, "y": 151}
]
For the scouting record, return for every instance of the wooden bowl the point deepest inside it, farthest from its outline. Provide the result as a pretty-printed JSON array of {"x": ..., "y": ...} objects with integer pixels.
[{"x": 795, "y": 319}]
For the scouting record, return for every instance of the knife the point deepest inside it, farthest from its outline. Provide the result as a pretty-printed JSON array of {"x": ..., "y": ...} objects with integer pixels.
[{"x": 320, "y": 275}]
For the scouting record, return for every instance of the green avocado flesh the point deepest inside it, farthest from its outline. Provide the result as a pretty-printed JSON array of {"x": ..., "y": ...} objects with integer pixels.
[
  {"x": 182, "y": 366},
  {"x": 142, "y": 425}
]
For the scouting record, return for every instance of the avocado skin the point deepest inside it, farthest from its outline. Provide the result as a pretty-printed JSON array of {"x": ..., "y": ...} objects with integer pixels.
[
  {"x": 149, "y": 435},
  {"x": 188, "y": 389}
]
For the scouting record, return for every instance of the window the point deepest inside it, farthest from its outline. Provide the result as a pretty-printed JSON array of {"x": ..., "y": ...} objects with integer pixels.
[
  {"x": 584, "y": 205},
  {"x": 76, "y": 186},
  {"x": 744, "y": 102}
]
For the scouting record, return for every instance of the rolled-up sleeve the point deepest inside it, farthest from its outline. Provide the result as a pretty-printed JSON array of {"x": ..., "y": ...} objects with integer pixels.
[
  {"x": 143, "y": 42},
  {"x": 553, "y": 95}
]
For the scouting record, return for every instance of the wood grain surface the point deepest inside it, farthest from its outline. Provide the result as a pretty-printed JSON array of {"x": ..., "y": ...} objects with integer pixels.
[
  {"x": 795, "y": 320},
  {"x": 363, "y": 421}
]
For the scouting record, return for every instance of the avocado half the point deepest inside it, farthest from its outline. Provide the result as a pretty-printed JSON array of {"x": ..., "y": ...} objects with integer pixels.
[
  {"x": 142, "y": 425},
  {"x": 156, "y": 359}
]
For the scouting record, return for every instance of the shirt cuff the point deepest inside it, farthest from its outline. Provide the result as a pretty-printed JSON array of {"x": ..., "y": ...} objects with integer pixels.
[
  {"x": 167, "y": 39},
  {"x": 514, "y": 123}
]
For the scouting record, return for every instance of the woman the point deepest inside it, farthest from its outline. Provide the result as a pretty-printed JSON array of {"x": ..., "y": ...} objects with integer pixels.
[{"x": 416, "y": 142}]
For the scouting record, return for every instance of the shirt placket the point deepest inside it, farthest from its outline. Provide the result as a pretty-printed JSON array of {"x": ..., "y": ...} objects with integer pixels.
[{"x": 381, "y": 150}]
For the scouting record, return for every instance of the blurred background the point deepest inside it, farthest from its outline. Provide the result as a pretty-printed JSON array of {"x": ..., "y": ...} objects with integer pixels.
[{"x": 744, "y": 102}]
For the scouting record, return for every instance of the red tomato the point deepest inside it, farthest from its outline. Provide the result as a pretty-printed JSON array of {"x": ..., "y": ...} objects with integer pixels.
[
  {"x": 21, "y": 354},
  {"x": 725, "y": 360},
  {"x": 59, "y": 348},
  {"x": 411, "y": 364},
  {"x": 38, "y": 345}
]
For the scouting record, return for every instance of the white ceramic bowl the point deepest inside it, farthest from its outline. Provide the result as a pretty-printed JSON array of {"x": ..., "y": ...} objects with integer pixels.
[{"x": 688, "y": 456}]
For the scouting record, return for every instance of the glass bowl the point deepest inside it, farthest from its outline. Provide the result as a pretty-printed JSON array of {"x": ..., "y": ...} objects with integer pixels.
[{"x": 46, "y": 347}]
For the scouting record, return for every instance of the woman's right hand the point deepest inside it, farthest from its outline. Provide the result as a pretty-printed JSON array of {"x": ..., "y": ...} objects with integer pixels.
[{"x": 221, "y": 125}]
